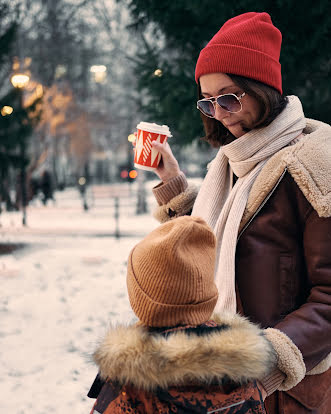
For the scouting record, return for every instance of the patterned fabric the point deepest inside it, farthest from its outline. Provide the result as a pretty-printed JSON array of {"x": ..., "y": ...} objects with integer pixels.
[
  {"x": 209, "y": 368},
  {"x": 190, "y": 399}
]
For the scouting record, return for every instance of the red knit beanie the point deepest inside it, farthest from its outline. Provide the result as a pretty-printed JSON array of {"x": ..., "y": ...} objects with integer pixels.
[{"x": 246, "y": 45}]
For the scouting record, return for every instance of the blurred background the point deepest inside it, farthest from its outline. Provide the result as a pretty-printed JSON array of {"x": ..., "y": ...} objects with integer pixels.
[{"x": 77, "y": 76}]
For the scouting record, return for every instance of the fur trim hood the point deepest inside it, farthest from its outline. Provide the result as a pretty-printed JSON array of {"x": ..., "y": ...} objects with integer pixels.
[{"x": 131, "y": 354}]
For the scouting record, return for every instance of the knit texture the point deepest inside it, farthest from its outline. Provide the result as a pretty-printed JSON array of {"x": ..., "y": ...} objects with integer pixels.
[
  {"x": 246, "y": 45},
  {"x": 225, "y": 207},
  {"x": 170, "y": 275},
  {"x": 272, "y": 381},
  {"x": 174, "y": 187}
]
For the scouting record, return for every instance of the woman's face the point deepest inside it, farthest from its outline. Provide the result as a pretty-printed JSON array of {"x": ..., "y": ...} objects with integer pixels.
[{"x": 214, "y": 84}]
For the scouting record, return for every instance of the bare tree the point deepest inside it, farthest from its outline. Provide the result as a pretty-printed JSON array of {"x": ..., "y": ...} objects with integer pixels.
[{"x": 63, "y": 41}]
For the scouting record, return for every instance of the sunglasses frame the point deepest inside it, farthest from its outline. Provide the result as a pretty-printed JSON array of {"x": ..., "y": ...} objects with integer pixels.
[{"x": 213, "y": 100}]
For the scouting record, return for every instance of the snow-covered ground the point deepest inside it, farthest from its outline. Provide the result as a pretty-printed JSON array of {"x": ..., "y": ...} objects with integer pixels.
[{"x": 58, "y": 295}]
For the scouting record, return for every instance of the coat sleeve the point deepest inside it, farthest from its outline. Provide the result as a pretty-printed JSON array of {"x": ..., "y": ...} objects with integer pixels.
[
  {"x": 175, "y": 198},
  {"x": 309, "y": 327},
  {"x": 289, "y": 228},
  {"x": 302, "y": 340}
]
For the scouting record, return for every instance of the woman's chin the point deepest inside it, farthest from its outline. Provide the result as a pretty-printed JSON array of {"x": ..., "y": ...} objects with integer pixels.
[{"x": 236, "y": 130}]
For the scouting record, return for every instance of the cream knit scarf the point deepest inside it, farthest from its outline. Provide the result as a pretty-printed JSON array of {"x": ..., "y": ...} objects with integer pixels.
[{"x": 223, "y": 206}]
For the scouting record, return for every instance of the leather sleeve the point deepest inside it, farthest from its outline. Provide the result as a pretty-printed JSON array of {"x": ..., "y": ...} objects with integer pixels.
[{"x": 309, "y": 327}]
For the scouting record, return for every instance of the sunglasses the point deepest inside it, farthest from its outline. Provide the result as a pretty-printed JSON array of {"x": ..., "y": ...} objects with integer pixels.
[{"x": 229, "y": 101}]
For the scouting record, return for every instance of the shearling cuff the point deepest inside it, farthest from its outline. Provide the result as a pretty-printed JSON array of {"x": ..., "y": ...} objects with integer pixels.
[
  {"x": 180, "y": 205},
  {"x": 290, "y": 360},
  {"x": 272, "y": 381},
  {"x": 164, "y": 192}
]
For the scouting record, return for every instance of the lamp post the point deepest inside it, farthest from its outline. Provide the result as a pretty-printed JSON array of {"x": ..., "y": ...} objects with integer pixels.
[
  {"x": 19, "y": 81},
  {"x": 99, "y": 73}
]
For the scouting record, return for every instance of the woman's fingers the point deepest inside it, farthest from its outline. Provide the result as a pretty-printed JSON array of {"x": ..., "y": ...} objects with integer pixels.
[
  {"x": 164, "y": 149},
  {"x": 168, "y": 167}
]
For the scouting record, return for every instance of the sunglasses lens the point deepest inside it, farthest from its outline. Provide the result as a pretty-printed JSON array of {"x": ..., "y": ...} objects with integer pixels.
[
  {"x": 229, "y": 102},
  {"x": 206, "y": 107}
]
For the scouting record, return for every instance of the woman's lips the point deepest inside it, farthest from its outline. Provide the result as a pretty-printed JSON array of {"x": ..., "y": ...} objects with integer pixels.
[{"x": 231, "y": 125}]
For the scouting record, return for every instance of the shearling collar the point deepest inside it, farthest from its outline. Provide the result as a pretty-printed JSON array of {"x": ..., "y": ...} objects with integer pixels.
[
  {"x": 130, "y": 354},
  {"x": 308, "y": 162}
]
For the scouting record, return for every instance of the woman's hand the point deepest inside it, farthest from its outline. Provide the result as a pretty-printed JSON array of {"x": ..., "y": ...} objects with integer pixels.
[{"x": 168, "y": 167}]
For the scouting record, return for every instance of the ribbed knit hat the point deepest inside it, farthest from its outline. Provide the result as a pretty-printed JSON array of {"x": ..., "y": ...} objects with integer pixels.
[
  {"x": 246, "y": 45},
  {"x": 170, "y": 275}
]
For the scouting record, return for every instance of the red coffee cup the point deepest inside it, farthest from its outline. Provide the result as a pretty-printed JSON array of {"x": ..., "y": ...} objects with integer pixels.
[{"x": 146, "y": 157}]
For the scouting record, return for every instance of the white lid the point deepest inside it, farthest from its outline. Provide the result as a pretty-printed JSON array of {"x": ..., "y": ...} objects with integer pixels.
[{"x": 152, "y": 127}]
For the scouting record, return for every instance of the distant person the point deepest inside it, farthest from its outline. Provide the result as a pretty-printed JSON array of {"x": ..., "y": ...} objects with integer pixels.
[
  {"x": 33, "y": 187},
  {"x": 6, "y": 196},
  {"x": 46, "y": 186},
  {"x": 179, "y": 358},
  {"x": 267, "y": 197}
]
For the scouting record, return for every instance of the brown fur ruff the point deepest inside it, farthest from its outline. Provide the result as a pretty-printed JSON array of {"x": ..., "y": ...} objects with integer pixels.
[{"x": 130, "y": 354}]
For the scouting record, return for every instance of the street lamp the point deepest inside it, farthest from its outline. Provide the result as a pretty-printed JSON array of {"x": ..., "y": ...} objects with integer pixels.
[
  {"x": 6, "y": 110},
  {"x": 20, "y": 81},
  {"x": 158, "y": 73},
  {"x": 99, "y": 73}
]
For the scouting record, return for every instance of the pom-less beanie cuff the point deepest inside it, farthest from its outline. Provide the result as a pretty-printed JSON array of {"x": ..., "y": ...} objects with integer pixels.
[{"x": 157, "y": 314}]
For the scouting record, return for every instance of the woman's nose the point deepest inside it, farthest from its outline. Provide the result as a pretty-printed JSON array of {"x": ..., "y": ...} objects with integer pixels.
[{"x": 220, "y": 113}]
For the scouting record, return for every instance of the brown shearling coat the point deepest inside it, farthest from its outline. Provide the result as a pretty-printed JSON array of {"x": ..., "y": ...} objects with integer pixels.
[{"x": 290, "y": 244}]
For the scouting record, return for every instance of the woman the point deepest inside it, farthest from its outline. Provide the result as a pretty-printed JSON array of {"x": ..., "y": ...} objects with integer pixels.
[{"x": 267, "y": 196}]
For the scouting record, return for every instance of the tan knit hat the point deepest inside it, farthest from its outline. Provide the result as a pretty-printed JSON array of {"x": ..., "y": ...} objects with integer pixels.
[{"x": 170, "y": 276}]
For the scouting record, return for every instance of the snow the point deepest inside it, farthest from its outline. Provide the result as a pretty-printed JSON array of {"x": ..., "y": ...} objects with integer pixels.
[{"x": 60, "y": 293}]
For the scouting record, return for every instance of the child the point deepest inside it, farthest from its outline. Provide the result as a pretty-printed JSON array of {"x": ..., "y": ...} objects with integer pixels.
[{"x": 177, "y": 358}]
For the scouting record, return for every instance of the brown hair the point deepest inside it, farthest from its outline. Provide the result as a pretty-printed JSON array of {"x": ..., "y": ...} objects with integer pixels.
[{"x": 271, "y": 104}]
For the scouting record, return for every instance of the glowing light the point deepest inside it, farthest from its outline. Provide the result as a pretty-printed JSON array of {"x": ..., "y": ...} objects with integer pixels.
[
  {"x": 158, "y": 73},
  {"x": 98, "y": 68},
  {"x": 99, "y": 73},
  {"x": 124, "y": 174},
  {"x": 39, "y": 90},
  {"x": 132, "y": 138},
  {"x": 16, "y": 64},
  {"x": 19, "y": 80},
  {"x": 6, "y": 110},
  {"x": 60, "y": 71},
  {"x": 27, "y": 62},
  {"x": 82, "y": 181},
  {"x": 133, "y": 174}
]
